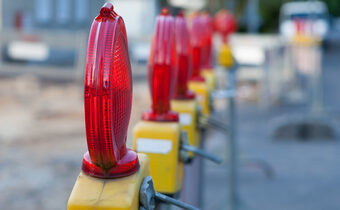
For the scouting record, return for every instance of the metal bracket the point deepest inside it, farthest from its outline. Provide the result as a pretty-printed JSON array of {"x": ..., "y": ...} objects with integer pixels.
[
  {"x": 188, "y": 148},
  {"x": 201, "y": 124},
  {"x": 148, "y": 197},
  {"x": 147, "y": 194},
  {"x": 215, "y": 123}
]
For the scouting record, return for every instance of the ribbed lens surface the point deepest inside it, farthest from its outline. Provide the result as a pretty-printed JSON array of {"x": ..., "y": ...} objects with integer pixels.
[
  {"x": 207, "y": 40},
  {"x": 197, "y": 44},
  {"x": 184, "y": 58},
  {"x": 162, "y": 70},
  {"x": 108, "y": 99}
]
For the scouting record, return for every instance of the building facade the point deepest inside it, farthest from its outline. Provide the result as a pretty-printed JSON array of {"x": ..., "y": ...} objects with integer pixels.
[{"x": 49, "y": 14}]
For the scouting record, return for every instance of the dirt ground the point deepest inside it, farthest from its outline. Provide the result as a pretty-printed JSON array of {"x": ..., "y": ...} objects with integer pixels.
[{"x": 42, "y": 138}]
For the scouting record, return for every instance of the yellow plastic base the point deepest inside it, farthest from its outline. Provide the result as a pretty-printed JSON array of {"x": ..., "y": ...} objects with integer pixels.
[
  {"x": 187, "y": 110},
  {"x": 91, "y": 193},
  {"x": 209, "y": 76},
  {"x": 161, "y": 141},
  {"x": 225, "y": 57},
  {"x": 201, "y": 90},
  {"x": 306, "y": 40}
]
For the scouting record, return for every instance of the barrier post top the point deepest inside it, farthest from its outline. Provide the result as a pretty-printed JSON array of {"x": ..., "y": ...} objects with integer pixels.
[
  {"x": 184, "y": 60},
  {"x": 162, "y": 69},
  {"x": 196, "y": 35},
  {"x": 108, "y": 98}
]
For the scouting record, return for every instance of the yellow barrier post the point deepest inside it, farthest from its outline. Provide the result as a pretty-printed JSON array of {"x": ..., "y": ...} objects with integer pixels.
[
  {"x": 113, "y": 177},
  {"x": 188, "y": 108},
  {"x": 158, "y": 134},
  {"x": 226, "y": 24},
  {"x": 207, "y": 50},
  {"x": 184, "y": 101},
  {"x": 197, "y": 83},
  {"x": 111, "y": 174},
  {"x": 225, "y": 57}
]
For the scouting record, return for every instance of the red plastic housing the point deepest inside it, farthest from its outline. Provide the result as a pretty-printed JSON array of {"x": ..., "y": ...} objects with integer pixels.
[
  {"x": 108, "y": 98},
  {"x": 196, "y": 36},
  {"x": 207, "y": 32},
  {"x": 225, "y": 24},
  {"x": 162, "y": 70},
  {"x": 300, "y": 26},
  {"x": 184, "y": 62}
]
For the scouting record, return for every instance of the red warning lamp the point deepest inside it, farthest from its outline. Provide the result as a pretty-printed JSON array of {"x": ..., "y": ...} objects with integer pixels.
[
  {"x": 196, "y": 44},
  {"x": 183, "y": 58},
  {"x": 108, "y": 98},
  {"x": 300, "y": 26},
  {"x": 162, "y": 69},
  {"x": 207, "y": 31},
  {"x": 225, "y": 24}
]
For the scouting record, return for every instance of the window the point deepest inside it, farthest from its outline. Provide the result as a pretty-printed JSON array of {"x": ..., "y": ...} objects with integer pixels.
[
  {"x": 81, "y": 10},
  {"x": 63, "y": 13},
  {"x": 43, "y": 11}
]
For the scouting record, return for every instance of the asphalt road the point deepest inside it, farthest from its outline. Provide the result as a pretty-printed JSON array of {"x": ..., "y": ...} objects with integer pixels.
[{"x": 307, "y": 173}]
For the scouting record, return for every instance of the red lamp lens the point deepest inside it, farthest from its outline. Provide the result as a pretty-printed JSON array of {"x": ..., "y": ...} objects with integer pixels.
[
  {"x": 225, "y": 24},
  {"x": 162, "y": 70},
  {"x": 184, "y": 58},
  {"x": 108, "y": 98},
  {"x": 300, "y": 26},
  {"x": 207, "y": 41},
  {"x": 196, "y": 44}
]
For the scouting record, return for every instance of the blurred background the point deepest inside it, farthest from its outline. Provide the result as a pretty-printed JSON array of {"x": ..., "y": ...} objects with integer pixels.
[{"x": 288, "y": 103}]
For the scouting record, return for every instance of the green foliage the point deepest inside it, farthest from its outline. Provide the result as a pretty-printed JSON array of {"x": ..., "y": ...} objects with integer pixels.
[
  {"x": 333, "y": 7},
  {"x": 270, "y": 12}
]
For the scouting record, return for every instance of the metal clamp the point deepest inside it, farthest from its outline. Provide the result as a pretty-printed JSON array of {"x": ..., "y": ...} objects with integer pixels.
[
  {"x": 148, "y": 197},
  {"x": 185, "y": 146},
  {"x": 201, "y": 123},
  {"x": 214, "y": 123}
]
